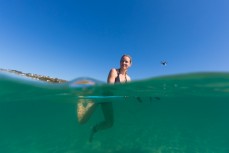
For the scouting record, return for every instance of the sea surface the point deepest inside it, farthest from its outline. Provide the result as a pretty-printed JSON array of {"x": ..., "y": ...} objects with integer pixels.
[{"x": 183, "y": 113}]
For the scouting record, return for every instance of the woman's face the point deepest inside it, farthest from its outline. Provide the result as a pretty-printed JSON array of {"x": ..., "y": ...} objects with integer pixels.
[{"x": 125, "y": 63}]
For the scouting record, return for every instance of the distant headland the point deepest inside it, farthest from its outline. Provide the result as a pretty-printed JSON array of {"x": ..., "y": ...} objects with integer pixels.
[{"x": 34, "y": 76}]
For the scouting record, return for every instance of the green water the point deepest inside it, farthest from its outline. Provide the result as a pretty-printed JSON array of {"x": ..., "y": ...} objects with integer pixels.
[{"x": 173, "y": 114}]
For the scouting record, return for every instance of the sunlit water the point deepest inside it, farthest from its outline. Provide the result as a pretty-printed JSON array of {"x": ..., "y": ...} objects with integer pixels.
[{"x": 173, "y": 114}]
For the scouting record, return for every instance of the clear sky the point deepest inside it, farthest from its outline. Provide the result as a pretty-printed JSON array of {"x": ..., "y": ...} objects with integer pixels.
[{"x": 74, "y": 38}]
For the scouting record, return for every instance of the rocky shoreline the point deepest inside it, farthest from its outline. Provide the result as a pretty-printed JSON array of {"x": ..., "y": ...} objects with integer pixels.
[{"x": 34, "y": 76}]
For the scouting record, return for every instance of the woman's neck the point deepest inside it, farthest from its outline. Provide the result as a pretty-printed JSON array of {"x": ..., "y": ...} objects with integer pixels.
[{"x": 121, "y": 71}]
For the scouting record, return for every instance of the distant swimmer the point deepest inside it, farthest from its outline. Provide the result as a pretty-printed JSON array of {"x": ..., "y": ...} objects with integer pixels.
[
  {"x": 164, "y": 63},
  {"x": 86, "y": 107}
]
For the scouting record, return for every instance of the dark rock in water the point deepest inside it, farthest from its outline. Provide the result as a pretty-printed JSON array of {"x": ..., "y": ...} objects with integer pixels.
[{"x": 35, "y": 76}]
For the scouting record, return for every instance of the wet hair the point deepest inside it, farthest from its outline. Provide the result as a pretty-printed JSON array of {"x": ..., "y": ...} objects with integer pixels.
[{"x": 126, "y": 56}]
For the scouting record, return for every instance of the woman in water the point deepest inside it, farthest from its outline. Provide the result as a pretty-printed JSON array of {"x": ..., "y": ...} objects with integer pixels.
[{"x": 84, "y": 112}]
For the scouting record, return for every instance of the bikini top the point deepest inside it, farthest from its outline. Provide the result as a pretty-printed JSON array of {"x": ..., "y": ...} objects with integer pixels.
[{"x": 117, "y": 79}]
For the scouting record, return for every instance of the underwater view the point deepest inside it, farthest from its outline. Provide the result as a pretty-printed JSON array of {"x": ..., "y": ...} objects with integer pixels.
[{"x": 183, "y": 113}]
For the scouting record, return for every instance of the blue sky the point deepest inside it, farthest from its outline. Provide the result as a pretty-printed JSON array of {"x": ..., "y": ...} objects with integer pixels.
[{"x": 74, "y": 38}]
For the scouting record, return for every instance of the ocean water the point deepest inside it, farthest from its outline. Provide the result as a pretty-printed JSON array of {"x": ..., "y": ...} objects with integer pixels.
[{"x": 183, "y": 113}]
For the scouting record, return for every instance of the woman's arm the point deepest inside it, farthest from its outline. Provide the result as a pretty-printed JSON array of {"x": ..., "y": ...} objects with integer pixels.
[{"x": 111, "y": 77}]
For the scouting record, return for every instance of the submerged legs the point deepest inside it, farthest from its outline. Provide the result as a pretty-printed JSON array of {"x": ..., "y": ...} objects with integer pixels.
[
  {"x": 108, "y": 122},
  {"x": 85, "y": 109}
]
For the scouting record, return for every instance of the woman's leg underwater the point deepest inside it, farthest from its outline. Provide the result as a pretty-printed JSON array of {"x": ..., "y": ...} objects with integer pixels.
[
  {"x": 84, "y": 110},
  {"x": 108, "y": 113}
]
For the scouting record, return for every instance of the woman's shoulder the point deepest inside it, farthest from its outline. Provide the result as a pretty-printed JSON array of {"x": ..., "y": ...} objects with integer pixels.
[{"x": 113, "y": 71}]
